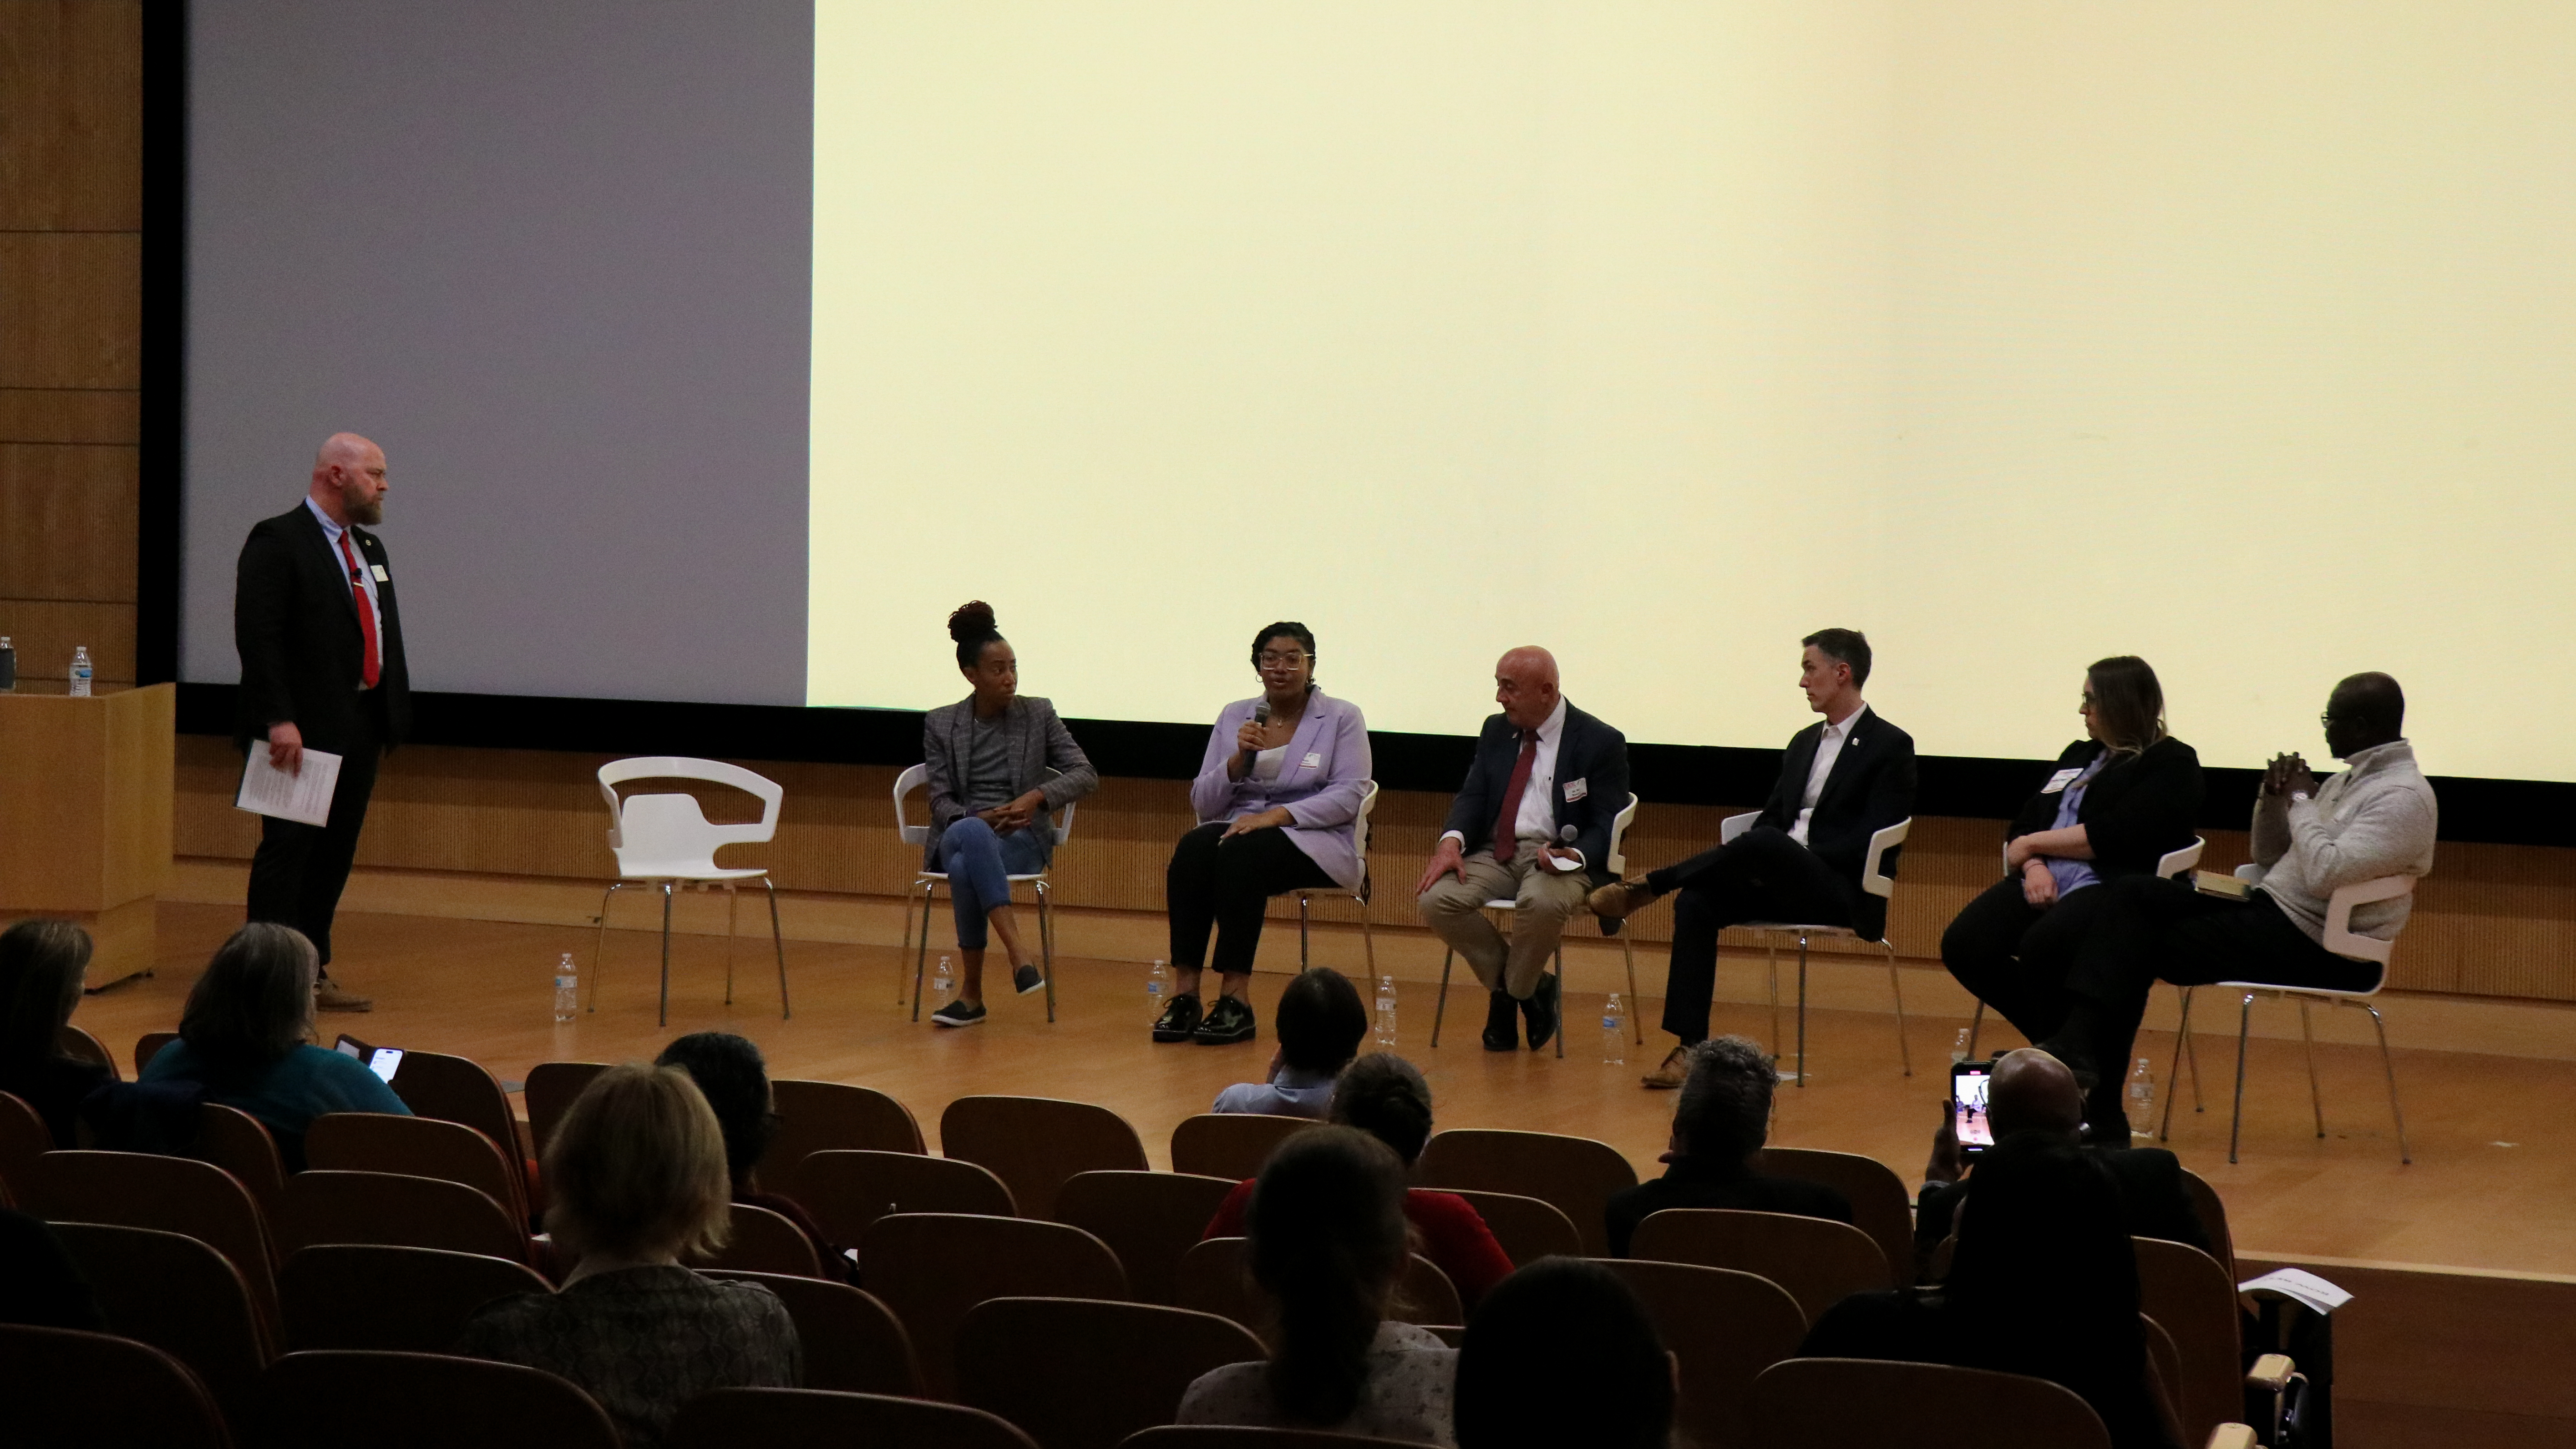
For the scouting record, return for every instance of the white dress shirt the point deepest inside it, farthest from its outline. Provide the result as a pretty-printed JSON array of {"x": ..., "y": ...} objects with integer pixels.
[
  {"x": 1537, "y": 820},
  {"x": 1828, "y": 749},
  {"x": 366, "y": 575}
]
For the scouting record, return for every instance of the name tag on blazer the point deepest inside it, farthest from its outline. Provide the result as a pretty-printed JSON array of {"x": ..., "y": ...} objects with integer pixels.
[
  {"x": 1576, "y": 790},
  {"x": 381, "y": 576},
  {"x": 2060, "y": 781},
  {"x": 1314, "y": 760}
]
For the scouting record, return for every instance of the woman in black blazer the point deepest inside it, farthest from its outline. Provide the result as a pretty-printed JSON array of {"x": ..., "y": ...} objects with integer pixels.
[{"x": 2119, "y": 800}]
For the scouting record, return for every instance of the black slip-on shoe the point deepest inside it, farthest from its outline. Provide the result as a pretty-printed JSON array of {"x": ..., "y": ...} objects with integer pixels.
[
  {"x": 958, "y": 1013},
  {"x": 1180, "y": 1017},
  {"x": 1541, "y": 1012},
  {"x": 1228, "y": 1022},
  {"x": 1502, "y": 1023},
  {"x": 1025, "y": 979}
]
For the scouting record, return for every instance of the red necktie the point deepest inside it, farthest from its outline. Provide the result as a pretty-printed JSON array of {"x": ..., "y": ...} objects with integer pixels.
[
  {"x": 367, "y": 614},
  {"x": 1507, "y": 825}
]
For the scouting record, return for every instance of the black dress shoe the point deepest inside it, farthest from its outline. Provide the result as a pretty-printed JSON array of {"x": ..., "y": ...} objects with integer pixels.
[
  {"x": 1179, "y": 1019},
  {"x": 1542, "y": 1013},
  {"x": 1502, "y": 1023},
  {"x": 1229, "y": 1021}
]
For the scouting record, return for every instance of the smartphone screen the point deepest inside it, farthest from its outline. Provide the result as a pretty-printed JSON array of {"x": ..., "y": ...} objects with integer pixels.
[
  {"x": 385, "y": 1062},
  {"x": 1968, "y": 1120}
]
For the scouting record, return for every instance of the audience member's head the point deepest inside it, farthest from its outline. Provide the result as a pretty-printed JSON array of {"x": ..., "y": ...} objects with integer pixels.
[
  {"x": 1725, "y": 1109},
  {"x": 41, "y": 966},
  {"x": 254, "y": 1005},
  {"x": 1385, "y": 1096},
  {"x": 636, "y": 1169},
  {"x": 732, "y": 1077},
  {"x": 2046, "y": 1268},
  {"x": 2035, "y": 1092},
  {"x": 1561, "y": 1355},
  {"x": 1327, "y": 1239},
  {"x": 1321, "y": 1021},
  {"x": 2126, "y": 704},
  {"x": 2365, "y": 710}
]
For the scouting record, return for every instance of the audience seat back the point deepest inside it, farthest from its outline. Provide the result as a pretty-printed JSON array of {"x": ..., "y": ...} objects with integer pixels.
[
  {"x": 1216, "y": 1277},
  {"x": 169, "y": 1194},
  {"x": 1851, "y": 1403},
  {"x": 1228, "y": 1436},
  {"x": 324, "y": 1206},
  {"x": 240, "y": 1144},
  {"x": 330, "y": 1398},
  {"x": 180, "y": 1296},
  {"x": 1881, "y": 1207},
  {"x": 2212, "y": 1212},
  {"x": 1036, "y": 1144},
  {"x": 23, "y": 1138},
  {"x": 2166, "y": 1359},
  {"x": 1725, "y": 1328},
  {"x": 549, "y": 1092},
  {"x": 1081, "y": 1374},
  {"x": 66, "y": 1387},
  {"x": 1821, "y": 1263},
  {"x": 75, "y": 1041},
  {"x": 457, "y": 1089},
  {"x": 2190, "y": 1295},
  {"x": 853, "y": 1343},
  {"x": 1528, "y": 1228},
  {"x": 848, "y": 1190},
  {"x": 148, "y": 1046},
  {"x": 1231, "y": 1144},
  {"x": 390, "y": 1298},
  {"x": 930, "y": 1268},
  {"x": 1576, "y": 1174},
  {"x": 1149, "y": 1219},
  {"x": 764, "y": 1241},
  {"x": 772, "y": 1418},
  {"x": 831, "y": 1117},
  {"x": 415, "y": 1147}
]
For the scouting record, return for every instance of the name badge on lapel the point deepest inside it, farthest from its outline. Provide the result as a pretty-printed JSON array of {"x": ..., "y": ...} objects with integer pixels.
[
  {"x": 2059, "y": 781},
  {"x": 1314, "y": 759},
  {"x": 381, "y": 576},
  {"x": 1576, "y": 790}
]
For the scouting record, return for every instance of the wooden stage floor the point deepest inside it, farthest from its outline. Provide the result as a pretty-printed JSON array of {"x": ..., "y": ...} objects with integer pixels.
[{"x": 2493, "y": 1184}]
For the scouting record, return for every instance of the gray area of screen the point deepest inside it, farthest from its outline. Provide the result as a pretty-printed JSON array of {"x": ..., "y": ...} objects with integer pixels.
[{"x": 554, "y": 255}]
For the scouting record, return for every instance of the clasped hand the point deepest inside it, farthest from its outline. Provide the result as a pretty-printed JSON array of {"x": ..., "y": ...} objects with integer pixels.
[
  {"x": 1012, "y": 815},
  {"x": 2288, "y": 775}
]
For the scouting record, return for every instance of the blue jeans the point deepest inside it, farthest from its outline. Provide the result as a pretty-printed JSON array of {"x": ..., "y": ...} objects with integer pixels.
[{"x": 979, "y": 863}]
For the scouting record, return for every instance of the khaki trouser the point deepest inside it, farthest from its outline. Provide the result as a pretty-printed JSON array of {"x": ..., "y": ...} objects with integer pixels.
[{"x": 1454, "y": 910}]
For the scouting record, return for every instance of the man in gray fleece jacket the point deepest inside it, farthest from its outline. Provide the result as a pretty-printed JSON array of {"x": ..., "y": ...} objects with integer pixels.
[{"x": 2375, "y": 819}]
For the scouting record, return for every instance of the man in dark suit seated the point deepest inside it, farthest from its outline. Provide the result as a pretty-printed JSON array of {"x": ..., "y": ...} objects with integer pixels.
[
  {"x": 1531, "y": 825},
  {"x": 1721, "y": 1120},
  {"x": 2034, "y": 1092},
  {"x": 1841, "y": 781}
]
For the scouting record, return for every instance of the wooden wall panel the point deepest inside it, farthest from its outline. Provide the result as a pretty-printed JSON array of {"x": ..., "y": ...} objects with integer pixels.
[
  {"x": 65, "y": 415},
  {"x": 71, "y": 115},
  {"x": 71, "y": 309},
  {"x": 45, "y": 632},
  {"x": 67, "y": 522}
]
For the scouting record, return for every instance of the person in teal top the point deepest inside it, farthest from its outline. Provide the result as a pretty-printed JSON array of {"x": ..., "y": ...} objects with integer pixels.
[{"x": 243, "y": 1038}]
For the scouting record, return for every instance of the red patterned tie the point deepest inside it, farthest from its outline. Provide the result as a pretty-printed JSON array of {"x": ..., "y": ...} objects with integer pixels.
[
  {"x": 367, "y": 613},
  {"x": 1507, "y": 824}
]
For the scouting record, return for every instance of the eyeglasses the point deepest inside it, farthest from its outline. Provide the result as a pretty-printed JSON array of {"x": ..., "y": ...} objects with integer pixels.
[
  {"x": 1268, "y": 659},
  {"x": 2327, "y": 719}
]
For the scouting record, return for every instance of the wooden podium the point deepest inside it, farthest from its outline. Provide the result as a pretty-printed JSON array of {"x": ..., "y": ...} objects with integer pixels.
[{"x": 85, "y": 816}]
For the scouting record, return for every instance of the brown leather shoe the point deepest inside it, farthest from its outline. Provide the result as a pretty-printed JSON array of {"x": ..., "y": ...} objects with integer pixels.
[
  {"x": 1620, "y": 899},
  {"x": 1674, "y": 1071},
  {"x": 327, "y": 996}
]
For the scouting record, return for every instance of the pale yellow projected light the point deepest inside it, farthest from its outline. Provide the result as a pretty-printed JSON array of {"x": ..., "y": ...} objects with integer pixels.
[{"x": 2239, "y": 336}]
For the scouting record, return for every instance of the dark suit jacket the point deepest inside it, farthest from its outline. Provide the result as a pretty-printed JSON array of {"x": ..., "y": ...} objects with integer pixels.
[
  {"x": 1689, "y": 1183},
  {"x": 1591, "y": 755},
  {"x": 2151, "y": 1192},
  {"x": 296, "y": 628},
  {"x": 1871, "y": 788},
  {"x": 2134, "y": 811}
]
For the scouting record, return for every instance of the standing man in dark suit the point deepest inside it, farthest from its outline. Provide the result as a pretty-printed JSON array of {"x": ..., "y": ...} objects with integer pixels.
[
  {"x": 320, "y": 639},
  {"x": 1841, "y": 781},
  {"x": 1531, "y": 825}
]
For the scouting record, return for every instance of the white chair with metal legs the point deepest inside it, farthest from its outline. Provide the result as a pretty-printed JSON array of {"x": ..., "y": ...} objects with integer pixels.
[
  {"x": 2173, "y": 863},
  {"x": 2340, "y": 939},
  {"x": 1617, "y": 865},
  {"x": 1873, "y": 879},
  {"x": 929, "y": 881},
  {"x": 1306, "y": 894},
  {"x": 666, "y": 840}
]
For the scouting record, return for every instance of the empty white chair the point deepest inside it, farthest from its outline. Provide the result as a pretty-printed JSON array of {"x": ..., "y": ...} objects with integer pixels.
[
  {"x": 1617, "y": 865},
  {"x": 666, "y": 840},
  {"x": 916, "y": 836},
  {"x": 1873, "y": 879},
  {"x": 2171, "y": 864},
  {"x": 1306, "y": 894}
]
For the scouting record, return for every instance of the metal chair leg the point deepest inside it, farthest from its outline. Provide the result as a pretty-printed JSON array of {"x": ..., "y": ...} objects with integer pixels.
[
  {"x": 1802, "y": 1009},
  {"x": 1440, "y": 1011},
  {"x": 2389, "y": 1065},
  {"x": 1636, "y": 1015},
  {"x": 778, "y": 939},
  {"x": 907, "y": 940},
  {"x": 666, "y": 953},
  {"x": 599, "y": 948},
  {"x": 1904, "y": 1053},
  {"x": 2188, "y": 1050},
  {"x": 921, "y": 958},
  {"x": 733, "y": 928},
  {"x": 2315, "y": 1103},
  {"x": 1305, "y": 910},
  {"x": 1046, "y": 945},
  {"x": 1773, "y": 946},
  {"x": 1976, "y": 1028},
  {"x": 2236, "y": 1125},
  {"x": 1368, "y": 943},
  {"x": 2173, "y": 1074},
  {"x": 1560, "y": 1000}
]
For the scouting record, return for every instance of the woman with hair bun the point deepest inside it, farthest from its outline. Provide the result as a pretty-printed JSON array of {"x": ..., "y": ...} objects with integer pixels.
[
  {"x": 1278, "y": 800},
  {"x": 999, "y": 761}
]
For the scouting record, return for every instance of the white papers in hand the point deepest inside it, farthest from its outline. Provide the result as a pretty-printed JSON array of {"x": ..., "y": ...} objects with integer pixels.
[
  {"x": 306, "y": 796},
  {"x": 2301, "y": 1287}
]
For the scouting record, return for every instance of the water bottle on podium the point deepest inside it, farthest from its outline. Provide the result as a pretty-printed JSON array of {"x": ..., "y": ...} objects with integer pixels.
[{"x": 81, "y": 671}]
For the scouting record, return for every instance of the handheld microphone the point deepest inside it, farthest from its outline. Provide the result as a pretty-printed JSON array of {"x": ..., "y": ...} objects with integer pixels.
[
  {"x": 1565, "y": 833},
  {"x": 1261, "y": 717}
]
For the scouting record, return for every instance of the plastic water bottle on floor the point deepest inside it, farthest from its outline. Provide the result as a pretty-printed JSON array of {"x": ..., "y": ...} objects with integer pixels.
[
  {"x": 566, "y": 993},
  {"x": 2142, "y": 1098},
  {"x": 1959, "y": 1048},
  {"x": 1158, "y": 988},
  {"x": 1614, "y": 1033},
  {"x": 943, "y": 986},
  {"x": 1386, "y": 1011},
  {"x": 81, "y": 671}
]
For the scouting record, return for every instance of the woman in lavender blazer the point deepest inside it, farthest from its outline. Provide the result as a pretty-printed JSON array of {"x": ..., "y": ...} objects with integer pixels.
[{"x": 1278, "y": 798}]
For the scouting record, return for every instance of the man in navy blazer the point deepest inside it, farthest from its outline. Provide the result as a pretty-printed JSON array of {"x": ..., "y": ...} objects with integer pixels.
[
  {"x": 1531, "y": 825},
  {"x": 320, "y": 639},
  {"x": 1841, "y": 781}
]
